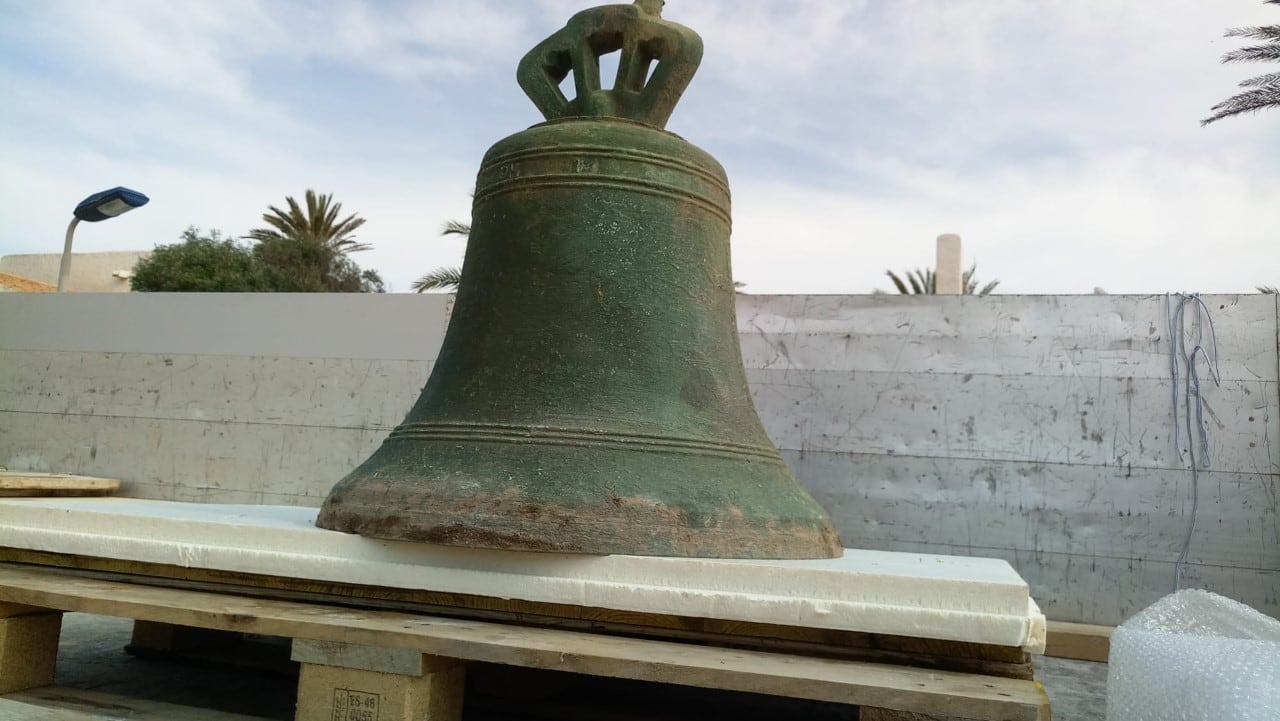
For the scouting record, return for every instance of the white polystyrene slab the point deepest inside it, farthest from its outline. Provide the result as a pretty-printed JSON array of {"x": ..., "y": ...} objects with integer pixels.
[{"x": 982, "y": 600}]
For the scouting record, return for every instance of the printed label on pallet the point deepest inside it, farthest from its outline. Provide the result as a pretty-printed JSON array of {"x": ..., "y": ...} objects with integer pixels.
[{"x": 354, "y": 705}]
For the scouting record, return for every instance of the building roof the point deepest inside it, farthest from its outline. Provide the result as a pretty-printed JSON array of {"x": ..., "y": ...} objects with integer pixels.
[{"x": 17, "y": 283}]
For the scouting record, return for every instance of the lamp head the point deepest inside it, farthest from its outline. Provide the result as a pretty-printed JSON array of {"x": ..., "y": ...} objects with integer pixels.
[{"x": 109, "y": 204}]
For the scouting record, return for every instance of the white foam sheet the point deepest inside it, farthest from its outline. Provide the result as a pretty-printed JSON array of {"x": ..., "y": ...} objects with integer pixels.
[{"x": 980, "y": 600}]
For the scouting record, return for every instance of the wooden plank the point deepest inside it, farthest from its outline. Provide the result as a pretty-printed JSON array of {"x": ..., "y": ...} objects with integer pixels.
[
  {"x": 9, "y": 610},
  {"x": 1005, "y": 661},
  {"x": 880, "y": 714},
  {"x": 55, "y": 703},
  {"x": 848, "y": 682},
  {"x": 23, "y": 484},
  {"x": 1081, "y": 641}
]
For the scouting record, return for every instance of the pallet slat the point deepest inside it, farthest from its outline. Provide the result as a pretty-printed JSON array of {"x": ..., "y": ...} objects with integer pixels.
[
  {"x": 850, "y": 682},
  {"x": 1080, "y": 641},
  {"x": 23, "y": 484}
]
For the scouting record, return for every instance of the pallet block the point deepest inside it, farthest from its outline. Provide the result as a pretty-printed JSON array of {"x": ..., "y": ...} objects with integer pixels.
[
  {"x": 345, "y": 682},
  {"x": 28, "y": 646}
]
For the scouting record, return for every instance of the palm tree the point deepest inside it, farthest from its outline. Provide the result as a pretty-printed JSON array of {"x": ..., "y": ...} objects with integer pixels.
[
  {"x": 1260, "y": 92},
  {"x": 318, "y": 225},
  {"x": 445, "y": 278},
  {"x": 924, "y": 282}
]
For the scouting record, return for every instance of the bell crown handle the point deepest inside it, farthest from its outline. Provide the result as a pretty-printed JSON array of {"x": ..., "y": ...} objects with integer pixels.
[{"x": 643, "y": 38}]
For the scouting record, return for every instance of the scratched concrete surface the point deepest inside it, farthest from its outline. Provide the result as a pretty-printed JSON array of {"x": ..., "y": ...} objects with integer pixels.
[
  {"x": 1038, "y": 429},
  {"x": 91, "y": 656}
]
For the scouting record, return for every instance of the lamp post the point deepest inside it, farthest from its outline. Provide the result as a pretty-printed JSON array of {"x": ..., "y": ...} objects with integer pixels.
[{"x": 96, "y": 207}]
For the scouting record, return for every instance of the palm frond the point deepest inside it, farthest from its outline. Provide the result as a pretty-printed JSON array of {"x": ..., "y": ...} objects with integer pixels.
[
  {"x": 1261, "y": 81},
  {"x": 970, "y": 286},
  {"x": 439, "y": 279},
  {"x": 454, "y": 227},
  {"x": 1262, "y": 32},
  {"x": 1254, "y": 54},
  {"x": 1246, "y": 102},
  {"x": 897, "y": 282},
  {"x": 1269, "y": 289},
  {"x": 1265, "y": 89},
  {"x": 925, "y": 282}
]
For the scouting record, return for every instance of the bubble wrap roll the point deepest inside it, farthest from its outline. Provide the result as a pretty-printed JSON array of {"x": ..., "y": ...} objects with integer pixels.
[{"x": 1195, "y": 656}]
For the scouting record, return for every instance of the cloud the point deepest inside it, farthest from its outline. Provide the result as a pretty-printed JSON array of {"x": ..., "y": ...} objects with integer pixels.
[
  {"x": 196, "y": 49},
  {"x": 1131, "y": 223},
  {"x": 1060, "y": 139},
  {"x": 417, "y": 40}
]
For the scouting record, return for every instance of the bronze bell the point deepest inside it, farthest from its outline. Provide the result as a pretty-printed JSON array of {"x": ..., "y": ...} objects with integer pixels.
[{"x": 590, "y": 395}]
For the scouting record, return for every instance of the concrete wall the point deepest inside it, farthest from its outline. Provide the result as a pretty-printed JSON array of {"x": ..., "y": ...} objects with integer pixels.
[
  {"x": 1037, "y": 429},
  {"x": 90, "y": 272}
]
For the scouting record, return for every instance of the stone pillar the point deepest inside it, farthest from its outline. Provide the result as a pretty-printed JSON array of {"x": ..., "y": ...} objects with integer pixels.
[{"x": 949, "y": 273}]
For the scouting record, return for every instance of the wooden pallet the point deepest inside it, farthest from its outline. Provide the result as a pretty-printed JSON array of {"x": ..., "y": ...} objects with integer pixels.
[
  {"x": 360, "y": 664},
  {"x": 25, "y": 485},
  {"x": 988, "y": 660}
]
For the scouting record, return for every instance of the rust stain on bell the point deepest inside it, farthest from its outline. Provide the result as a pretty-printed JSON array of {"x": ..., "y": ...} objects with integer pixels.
[{"x": 590, "y": 396}]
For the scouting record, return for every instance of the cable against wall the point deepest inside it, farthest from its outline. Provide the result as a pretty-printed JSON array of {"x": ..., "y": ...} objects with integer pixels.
[{"x": 1181, "y": 360}]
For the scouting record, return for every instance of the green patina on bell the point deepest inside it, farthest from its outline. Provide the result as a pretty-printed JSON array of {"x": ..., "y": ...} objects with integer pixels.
[{"x": 590, "y": 395}]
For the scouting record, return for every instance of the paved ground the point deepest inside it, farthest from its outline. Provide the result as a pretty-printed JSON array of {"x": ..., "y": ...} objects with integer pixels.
[
  {"x": 1077, "y": 689},
  {"x": 92, "y": 656}
]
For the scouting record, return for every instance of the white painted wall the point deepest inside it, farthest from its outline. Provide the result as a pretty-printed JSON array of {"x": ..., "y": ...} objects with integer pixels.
[{"x": 1035, "y": 429}]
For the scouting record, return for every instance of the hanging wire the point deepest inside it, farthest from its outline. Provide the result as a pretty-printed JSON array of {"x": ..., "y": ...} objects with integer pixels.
[{"x": 1180, "y": 359}]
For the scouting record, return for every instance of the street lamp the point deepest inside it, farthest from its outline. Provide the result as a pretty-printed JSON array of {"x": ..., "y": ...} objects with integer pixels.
[{"x": 96, "y": 207}]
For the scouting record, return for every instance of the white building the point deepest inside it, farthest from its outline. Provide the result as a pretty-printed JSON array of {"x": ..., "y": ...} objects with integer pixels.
[{"x": 106, "y": 272}]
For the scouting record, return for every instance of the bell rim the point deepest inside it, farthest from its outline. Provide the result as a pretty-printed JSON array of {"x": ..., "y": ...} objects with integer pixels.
[{"x": 604, "y": 536}]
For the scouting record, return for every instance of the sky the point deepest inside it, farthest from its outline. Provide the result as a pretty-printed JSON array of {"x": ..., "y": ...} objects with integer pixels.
[{"x": 1059, "y": 138}]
